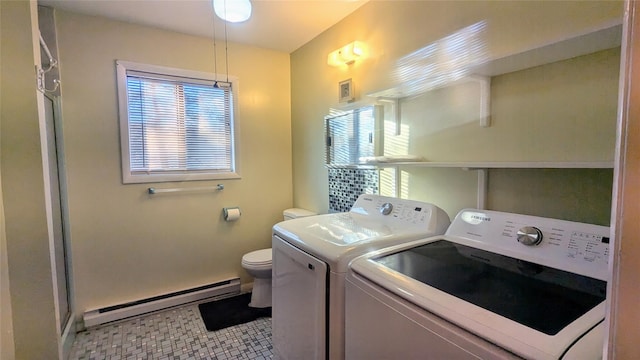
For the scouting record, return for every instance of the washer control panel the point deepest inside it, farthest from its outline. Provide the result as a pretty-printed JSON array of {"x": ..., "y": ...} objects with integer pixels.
[{"x": 571, "y": 246}]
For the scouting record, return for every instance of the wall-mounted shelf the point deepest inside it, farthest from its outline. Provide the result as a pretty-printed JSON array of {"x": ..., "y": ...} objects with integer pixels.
[
  {"x": 606, "y": 37},
  {"x": 502, "y": 165},
  {"x": 477, "y": 165}
]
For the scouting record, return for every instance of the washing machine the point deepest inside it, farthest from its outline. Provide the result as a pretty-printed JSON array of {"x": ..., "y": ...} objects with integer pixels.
[
  {"x": 310, "y": 261},
  {"x": 494, "y": 286}
]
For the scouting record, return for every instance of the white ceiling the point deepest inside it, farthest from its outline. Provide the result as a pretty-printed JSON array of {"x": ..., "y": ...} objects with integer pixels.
[{"x": 282, "y": 25}]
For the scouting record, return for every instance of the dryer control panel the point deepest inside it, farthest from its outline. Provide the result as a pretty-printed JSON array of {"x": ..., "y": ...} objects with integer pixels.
[{"x": 398, "y": 211}]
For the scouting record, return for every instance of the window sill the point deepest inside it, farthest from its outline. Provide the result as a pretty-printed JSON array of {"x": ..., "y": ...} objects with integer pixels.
[{"x": 159, "y": 178}]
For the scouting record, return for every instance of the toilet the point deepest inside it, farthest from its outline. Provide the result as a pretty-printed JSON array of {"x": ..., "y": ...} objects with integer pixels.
[{"x": 258, "y": 265}]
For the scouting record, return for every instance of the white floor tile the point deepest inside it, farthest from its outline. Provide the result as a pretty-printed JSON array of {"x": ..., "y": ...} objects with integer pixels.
[{"x": 174, "y": 334}]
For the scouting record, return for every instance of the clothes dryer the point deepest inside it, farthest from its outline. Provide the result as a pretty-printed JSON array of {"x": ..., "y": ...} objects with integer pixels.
[{"x": 310, "y": 260}]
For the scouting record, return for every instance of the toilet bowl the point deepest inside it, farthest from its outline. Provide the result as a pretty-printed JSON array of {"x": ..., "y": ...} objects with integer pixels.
[{"x": 258, "y": 265}]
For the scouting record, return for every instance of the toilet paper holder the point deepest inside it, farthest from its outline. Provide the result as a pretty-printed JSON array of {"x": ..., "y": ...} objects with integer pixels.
[{"x": 231, "y": 213}]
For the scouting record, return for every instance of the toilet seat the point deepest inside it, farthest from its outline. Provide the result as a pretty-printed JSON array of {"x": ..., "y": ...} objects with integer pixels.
[{"x": 258, "y": 258}]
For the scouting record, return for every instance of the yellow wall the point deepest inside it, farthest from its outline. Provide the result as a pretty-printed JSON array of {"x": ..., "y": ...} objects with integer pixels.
[
  {"x": 559, "y": 103},
  {"x": 27, "y": 242},
  {"x": 126, "y": 244},
  {"x": 7, "y": 350}
]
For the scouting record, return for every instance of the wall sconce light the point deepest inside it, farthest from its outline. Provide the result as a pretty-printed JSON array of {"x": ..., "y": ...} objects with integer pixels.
[{"x": 347, "y": 54}]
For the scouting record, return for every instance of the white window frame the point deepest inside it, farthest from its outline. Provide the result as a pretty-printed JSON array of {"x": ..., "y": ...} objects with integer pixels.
[{"x": 128, "y": 177}]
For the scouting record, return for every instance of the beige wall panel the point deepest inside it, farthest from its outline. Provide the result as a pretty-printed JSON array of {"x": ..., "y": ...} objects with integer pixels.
[
  {"x": 27, "y": 242},
  {"x": 583, "y": 196},
  {"x": 126, "y": 244},
  {"x": 451, "y": 189}
]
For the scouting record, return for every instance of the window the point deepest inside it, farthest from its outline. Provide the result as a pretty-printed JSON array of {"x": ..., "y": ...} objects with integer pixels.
[
  {"x": 175, "y": 125},
  {"x": 353, "y": 136}
]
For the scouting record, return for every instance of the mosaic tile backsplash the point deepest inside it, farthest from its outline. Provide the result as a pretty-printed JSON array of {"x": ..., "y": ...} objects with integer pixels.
[{"x": 345, "y": 185}]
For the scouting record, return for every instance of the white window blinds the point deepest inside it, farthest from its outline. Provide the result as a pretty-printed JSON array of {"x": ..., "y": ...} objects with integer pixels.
[
  {"x": 177, "y": 126},
  {"x": 352, "y": 136}
]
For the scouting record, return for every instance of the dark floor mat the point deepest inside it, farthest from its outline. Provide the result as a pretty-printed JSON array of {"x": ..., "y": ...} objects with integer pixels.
[{"x": 231, "y": 311}]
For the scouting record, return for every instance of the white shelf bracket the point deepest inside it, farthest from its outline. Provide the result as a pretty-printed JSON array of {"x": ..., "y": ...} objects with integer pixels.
[
  {"x": 398, "y": 177},
  {"x": 483, "y": 183},
  {"x": 483, "y": 177},
  {"x": 485, "y": 98},
  {"x": 395, "y": 110}
]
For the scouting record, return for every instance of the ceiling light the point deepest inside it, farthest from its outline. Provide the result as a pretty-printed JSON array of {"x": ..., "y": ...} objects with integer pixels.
[{"x": 232, "y": 10}]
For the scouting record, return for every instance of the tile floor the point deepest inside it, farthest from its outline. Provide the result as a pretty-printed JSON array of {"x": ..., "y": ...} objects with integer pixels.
[{"x": 174, "y": 334}]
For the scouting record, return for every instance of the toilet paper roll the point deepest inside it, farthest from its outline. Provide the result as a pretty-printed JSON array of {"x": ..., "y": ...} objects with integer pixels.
[{"x": 231, "y": 213}]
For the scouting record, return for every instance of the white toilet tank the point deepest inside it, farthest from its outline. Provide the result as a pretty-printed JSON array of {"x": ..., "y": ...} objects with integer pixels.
[{"x": 295, "y": 213}]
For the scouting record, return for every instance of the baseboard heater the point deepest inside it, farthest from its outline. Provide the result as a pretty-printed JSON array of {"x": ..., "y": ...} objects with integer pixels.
[{"x": 139, "y": 307}]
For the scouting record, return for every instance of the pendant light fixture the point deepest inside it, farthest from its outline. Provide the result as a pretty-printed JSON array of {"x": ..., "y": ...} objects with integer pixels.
[
  {"x": 233, "y": 10},
  {"x": 221, "y": 84},
  {"x": 215, "y": 55},
  {"x": 226, "y": 51}
]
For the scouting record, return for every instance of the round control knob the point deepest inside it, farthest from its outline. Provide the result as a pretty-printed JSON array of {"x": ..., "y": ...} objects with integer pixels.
[
  {"x": 529, "y": 236},
  {"x": 386, "y": 208}
]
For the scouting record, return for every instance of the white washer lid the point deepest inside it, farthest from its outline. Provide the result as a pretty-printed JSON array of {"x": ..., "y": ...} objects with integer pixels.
[
  {"x": 297, "y": 212},
  {"x": 258, "y": 257}
]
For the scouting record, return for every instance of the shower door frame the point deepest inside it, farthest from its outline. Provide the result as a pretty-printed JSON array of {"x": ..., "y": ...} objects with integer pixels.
[{"x": 59, "y": 217}]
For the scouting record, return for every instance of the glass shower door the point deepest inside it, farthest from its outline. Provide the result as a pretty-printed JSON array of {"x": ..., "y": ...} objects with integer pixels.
[{"x": 59, "y": 248}]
